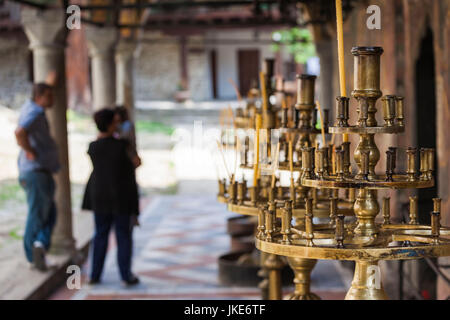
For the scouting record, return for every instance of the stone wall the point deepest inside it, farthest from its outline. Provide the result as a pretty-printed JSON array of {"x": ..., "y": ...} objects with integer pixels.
[
  {"x": 77, "y": 72},
  {"x": 439, "y": 16},
  {"x": 199, "y": 74},
  {"x": 157, "y": 74},
  {"x": 15, "y": 86},
  {"x": 158, "y": 65}
]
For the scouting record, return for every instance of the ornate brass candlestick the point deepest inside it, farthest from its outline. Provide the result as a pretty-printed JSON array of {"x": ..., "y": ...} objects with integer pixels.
[{"x": 364, "y": 241}]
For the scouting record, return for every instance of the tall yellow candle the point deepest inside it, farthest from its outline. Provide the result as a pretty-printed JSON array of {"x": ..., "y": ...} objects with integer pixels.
[
  {"x": 275, "y": 165},
  {"x": 219, "y": 146},
  {"x": 237, "y": 147},
  {"x": 321, "y": 123},
  {"x": 238, "y": 94},
  {"x": 256, "y": 161},
  {"x": 291, "y": 159},
  {"x": 263, "y": 91},
  {"x": 340, "y": 41},
  {"x": 283, "y": 103},
  {"x": 291, "y": 164}
]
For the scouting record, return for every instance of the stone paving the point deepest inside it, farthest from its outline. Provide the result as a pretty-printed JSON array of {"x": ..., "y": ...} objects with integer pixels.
[{"x": 175, "y": 256}]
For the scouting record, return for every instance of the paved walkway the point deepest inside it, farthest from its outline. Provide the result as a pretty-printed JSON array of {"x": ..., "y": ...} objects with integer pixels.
[
  {"x": 19, "y": 281},
  {"x": 176, "y": 251}
]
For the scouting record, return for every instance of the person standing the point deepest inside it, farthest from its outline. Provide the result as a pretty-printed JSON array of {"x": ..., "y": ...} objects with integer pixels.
[
  {"x": 38, "y": 161},
  {"x": 111, "y": 193},
  {"x": 127, "y": 131}
]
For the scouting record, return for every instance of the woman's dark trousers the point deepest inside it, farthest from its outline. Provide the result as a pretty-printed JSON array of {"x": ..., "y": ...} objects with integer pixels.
[{"x": 123, "y": 231}]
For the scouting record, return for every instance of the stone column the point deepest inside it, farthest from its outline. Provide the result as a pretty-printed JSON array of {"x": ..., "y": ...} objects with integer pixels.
[
  {"x": 125, "y": 54},
  {"x": 46, "y": 31},
  {"x": 325, "y": 52},
  {"x": 184, "y": 72},
  {"x": 101, "y": 43}
]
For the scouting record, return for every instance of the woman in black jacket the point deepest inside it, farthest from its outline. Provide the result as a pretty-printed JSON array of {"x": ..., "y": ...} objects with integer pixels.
[{"x": 112, "y": 194}]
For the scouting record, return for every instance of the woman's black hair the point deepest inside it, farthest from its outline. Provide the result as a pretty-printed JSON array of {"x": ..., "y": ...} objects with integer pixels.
[
  {"x": 103, "y": 119},
  {"x": 122, "y": 112}
]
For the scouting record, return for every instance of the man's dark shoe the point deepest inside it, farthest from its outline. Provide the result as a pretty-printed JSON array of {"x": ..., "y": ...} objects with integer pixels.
[
  {"x": 132, "y": 281},
  {"x": 39, "y": 257}
]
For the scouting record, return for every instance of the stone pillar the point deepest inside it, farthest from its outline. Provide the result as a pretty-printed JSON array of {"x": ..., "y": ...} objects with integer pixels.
[
  {"x": 325, "y": 52},
  {"x": 184, "y": 72},
  {"x": 101, "y": 43},
  {"x": 125, "y": 54},
  {"x": 46, "y": 31}
]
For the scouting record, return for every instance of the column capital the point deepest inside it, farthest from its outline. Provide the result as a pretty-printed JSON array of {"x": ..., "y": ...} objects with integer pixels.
[
  {"x": 46, "y": 29},
  {"x": 126, "y": 49},
  {"x": 101, "y": 40},
  {"x": 125, "y": 54}
]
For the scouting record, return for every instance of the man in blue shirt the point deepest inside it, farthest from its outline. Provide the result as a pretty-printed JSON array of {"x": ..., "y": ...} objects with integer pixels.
[{"x": 38, "y": 160}]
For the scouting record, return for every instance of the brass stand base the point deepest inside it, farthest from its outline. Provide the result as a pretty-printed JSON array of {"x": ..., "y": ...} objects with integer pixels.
[
  {"x": 264, "y": 284},
  {"x": 308, "y": 296},
  {"x": 366, "y": 284},
  {"x": 273, "y": 265},
  {"x": 302, "y": 269},
  {"x": 264, "y": 287}
]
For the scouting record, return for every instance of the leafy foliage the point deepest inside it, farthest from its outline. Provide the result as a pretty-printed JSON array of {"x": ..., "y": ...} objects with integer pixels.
[{"x": 298, "y": 42}]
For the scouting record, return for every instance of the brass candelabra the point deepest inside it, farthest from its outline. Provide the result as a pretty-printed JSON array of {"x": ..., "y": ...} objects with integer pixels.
[
  {"x": 276, "y": 205},
  {"x": 363, "y": 240}
]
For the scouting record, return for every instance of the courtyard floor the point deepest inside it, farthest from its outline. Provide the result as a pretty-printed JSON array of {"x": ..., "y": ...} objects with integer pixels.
[{"x": 175, "y": 257}]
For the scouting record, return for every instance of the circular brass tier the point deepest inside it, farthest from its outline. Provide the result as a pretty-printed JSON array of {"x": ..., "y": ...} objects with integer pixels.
[
  {"x": 366, "y": 130},
  {"x": 384, "y": 246},
  {"x": 300, "y": 130},
  {"x": 283, "y": 166},
  {"x": 252, "y": 210},
  {"x": 222, "y": 199},
  {"x": 242, "y": 122},
  {"x": 400, "y": 181}
]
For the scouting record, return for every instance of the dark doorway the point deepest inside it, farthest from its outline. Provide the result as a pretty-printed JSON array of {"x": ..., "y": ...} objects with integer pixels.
[
  {"x": 425, "y": 91},
  {"x": 248, "y": 64},
  {"x": 213, "y": 67},
  {"x": 30, "y": 66},
  {"x": 426, "y": 116}
]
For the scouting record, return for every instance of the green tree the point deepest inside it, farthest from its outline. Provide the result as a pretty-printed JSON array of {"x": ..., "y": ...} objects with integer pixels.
[{"x": 298, "y": 42}]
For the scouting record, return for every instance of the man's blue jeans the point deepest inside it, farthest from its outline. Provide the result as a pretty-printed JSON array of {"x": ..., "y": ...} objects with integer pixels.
[{"x": 40, "y": 190}]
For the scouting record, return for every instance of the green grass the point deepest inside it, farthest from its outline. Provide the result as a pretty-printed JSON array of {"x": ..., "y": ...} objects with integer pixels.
[
  {"x": 11, "y": 190},
  {"x": 74, "y": 116},
  {"x": 80, "y": 121},
  {"x": 83, "y": 122},
  {"x": 14, "y": 234},
  {"x": 154, "y": 127}
]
